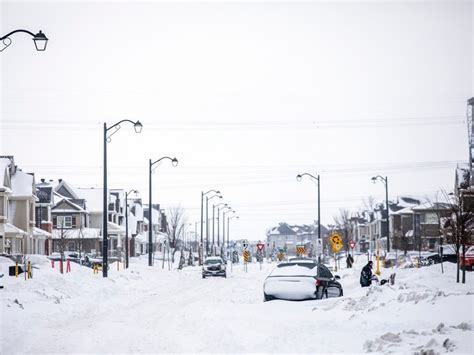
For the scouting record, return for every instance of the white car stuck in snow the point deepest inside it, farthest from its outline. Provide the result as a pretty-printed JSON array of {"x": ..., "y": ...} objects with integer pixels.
[{"x": 300, "y": 280}]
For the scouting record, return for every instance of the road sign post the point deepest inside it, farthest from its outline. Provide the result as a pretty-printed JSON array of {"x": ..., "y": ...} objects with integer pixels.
[{"x": 260, "y": 248}]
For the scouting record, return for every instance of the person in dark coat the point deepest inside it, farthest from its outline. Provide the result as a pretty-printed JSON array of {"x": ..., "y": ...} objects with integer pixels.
[{"x": 366, "y": 275}]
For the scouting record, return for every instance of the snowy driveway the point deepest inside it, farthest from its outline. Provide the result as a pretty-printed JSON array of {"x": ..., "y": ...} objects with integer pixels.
[{"x": 153, "y": 310}]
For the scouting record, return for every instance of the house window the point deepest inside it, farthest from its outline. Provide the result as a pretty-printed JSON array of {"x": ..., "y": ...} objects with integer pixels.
[
  {"x": 64, "y": 222},
  {"x": 429, "y": 218}
]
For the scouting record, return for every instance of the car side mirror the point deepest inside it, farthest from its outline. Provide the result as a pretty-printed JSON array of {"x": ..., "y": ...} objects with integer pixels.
[{"x": 337, "y": 277}]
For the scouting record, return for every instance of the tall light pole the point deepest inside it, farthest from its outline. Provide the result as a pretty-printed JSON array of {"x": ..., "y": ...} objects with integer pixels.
[
  {"x": 213, "y": 222},
  {"x": 201, "y": 248},
  {"x": 387, "y": 227},
  {"x": 229, "y": 209},
  {"x": 40, "y": 39},
  {"x": 299, "y": 177},
  {"x": 107, "y": 139},
  {"x": 225, "y": 205},
  {"x": 207, "y": 221},
  {"x": 207, "y": 202},
  {"x": 174, "y": 162},
  {"x": 229, "y": 257},
  {"x": 126, "y": 226}
]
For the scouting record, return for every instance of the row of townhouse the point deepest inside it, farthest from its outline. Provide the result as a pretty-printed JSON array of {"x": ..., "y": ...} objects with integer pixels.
[
  {"x": 414, "y": 224},
  {"x": 52, "y": 216},
  {"x": 287, "y": 237}
]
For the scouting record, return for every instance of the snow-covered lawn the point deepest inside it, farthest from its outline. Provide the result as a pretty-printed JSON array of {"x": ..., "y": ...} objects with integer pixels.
[{"x": 152, "y": 310}]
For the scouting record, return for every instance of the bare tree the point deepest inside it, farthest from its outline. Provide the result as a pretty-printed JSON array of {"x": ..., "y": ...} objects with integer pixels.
[
  {"x": 343, "y": 223},
  {"x": 369, "y": 203},
  {"x": 458, "y": 228},
  {"x": 62, "y": 242},
  {"x": 177, "y": 219}
]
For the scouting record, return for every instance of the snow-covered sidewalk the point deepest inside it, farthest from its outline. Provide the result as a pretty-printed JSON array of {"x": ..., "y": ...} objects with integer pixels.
[{"x": 152, "y": 310}]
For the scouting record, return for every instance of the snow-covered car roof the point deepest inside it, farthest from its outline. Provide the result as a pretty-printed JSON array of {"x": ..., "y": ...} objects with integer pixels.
[{"x": 293, "y": 269}]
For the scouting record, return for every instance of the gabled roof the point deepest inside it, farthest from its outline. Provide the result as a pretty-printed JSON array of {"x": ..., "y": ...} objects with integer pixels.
[
  {"x": 65, "y": 205},
  {"x": 66, "y": 190}
]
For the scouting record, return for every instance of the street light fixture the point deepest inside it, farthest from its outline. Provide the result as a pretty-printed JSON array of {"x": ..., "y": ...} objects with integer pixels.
[
  {"x": 229, "y": 257},
  {"x": 213, "y": 213},
  {"x": 229, "y": 209},
  {"x": 207, "y": 202},
  {"x": 201, "y": 249},
  {"x": 384, "y": 180},
  {"x": 299, "y": 177},
  {"x": 174, "y": 162},
  {"x": 40, "y": 39},
  {"x": 126, "y": 226},
  {"x": 105, "y": 211}
]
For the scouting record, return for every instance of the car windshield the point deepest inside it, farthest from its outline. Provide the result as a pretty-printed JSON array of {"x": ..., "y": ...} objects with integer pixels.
[{"x": 213, "y": 261}]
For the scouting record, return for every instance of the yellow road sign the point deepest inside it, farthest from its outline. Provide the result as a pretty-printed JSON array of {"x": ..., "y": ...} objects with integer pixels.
[
  {"x": 246, "y": 256},
  {"x": 300, "y": 250},
  {"x": 336, "y": 242}
]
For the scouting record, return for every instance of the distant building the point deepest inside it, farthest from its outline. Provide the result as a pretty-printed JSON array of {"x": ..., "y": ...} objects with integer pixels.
[{"x": 287, "y": 237}]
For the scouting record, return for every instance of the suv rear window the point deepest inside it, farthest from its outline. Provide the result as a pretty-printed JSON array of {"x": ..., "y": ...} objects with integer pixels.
[{"x": 213, "y": 261}]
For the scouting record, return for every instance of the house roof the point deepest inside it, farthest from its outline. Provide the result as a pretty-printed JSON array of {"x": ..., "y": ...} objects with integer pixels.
[
  {"x": 5, "y": 183},
  {"x": 44, "y": 194},
  {"x": 84, "y": 233},
  {"x": 40, "y": 233},
  {"x": 11, "y": 229},
  {"x": 65, "y": 205},
  {"x": 23, "y": 184},
  {"x": 432, "y": 206}
]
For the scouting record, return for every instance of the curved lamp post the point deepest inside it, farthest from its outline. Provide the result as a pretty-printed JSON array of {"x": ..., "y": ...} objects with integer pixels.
[
  {"x": 202, "y": 221},
  {"x": 229, "y": 209},
  {"x": 229, "y": 257},
  {"x": 174, "y": 162},
  {"x": 40, "y": 39},
  {"x": 207, "y": 202},
  {"x": 213, "y": 212},
  {"x": 126, "y": 226},
  {"x": 384, "y": 180},
  {"x": 107, "y": 139},
  {"x": 299, "y": 177}
]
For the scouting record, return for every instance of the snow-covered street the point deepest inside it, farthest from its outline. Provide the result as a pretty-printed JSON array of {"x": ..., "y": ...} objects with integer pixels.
[{"x": 153, "y": 310}]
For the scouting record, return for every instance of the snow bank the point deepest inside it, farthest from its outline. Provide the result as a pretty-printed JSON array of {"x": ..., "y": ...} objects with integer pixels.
[{"x": 154, "y": 310}]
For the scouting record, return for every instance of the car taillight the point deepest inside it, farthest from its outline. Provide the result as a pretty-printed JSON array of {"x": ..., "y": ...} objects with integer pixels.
[{"x": 317, "y": 283}]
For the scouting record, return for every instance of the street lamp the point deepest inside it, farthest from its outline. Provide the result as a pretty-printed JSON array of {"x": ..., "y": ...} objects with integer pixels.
[
  {"x": 202, "y": 229},
  {"x": 226, "y": 206},
  {"x": 174, "y": 162},
  {"x": 213, "y": 208},
  {"x": 40, "y": 39},
  {"x": 107, "y": 139},
  {"x": 299, "y": 177},
  {"x": 207, "y": 219},
  {"x": 229, "y": 257},
  {"x": 126, "y": 226},
  {"x": 229, "y": 209},
  {"x": 384, "y": 180},
  {"x": 207, "y": 201}
]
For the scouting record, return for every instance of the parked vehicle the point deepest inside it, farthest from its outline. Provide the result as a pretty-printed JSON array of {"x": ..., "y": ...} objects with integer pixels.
[
  {"x": 300, "y": 280},
  {"x": 213, "y": 266},
  {"x": 468, "y": 261}
]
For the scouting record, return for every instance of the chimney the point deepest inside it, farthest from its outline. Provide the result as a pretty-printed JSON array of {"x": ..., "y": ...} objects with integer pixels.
[
  {"x": 42, "y": 180},
  {"x": 60, "y": 180}
]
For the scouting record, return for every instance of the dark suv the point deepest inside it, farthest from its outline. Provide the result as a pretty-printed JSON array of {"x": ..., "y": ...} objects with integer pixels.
[{"x": 213, "y": 266}]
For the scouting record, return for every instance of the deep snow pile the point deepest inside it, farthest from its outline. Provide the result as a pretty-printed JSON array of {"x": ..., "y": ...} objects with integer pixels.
[{"x": 145, "y": 309}]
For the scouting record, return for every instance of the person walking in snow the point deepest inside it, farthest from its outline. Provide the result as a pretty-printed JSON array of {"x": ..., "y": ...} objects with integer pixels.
[{"x": 366, "y": 275}]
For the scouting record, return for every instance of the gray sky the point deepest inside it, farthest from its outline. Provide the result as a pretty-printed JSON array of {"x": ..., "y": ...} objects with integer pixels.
[{"x": 246, "y": 96}]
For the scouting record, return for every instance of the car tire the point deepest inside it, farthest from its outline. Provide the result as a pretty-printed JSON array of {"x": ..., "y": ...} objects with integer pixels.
[
  {"x": 225, "y": 275},
  {"x": 342, "y": 293},
  {"x": 267, "y": 298},
  {"x": 203, "y": 276}
]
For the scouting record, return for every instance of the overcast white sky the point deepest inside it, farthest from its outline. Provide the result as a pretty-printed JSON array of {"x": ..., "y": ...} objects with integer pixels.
[{"x": 246, "y": 96}]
